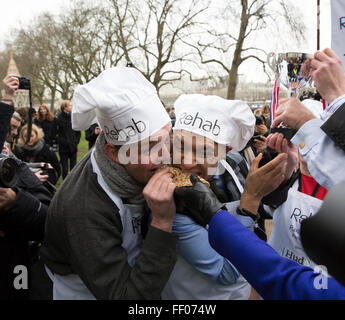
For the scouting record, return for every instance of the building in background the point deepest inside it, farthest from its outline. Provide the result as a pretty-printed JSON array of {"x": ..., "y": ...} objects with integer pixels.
[{"x": 21, "y": 97}]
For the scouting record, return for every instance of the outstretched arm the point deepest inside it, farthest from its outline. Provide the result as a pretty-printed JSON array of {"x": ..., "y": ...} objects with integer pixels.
[{"x": 271, "y": 275}]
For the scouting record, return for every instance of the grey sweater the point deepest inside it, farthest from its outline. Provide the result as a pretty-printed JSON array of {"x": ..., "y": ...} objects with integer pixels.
[{"x": 83, "y": 236}]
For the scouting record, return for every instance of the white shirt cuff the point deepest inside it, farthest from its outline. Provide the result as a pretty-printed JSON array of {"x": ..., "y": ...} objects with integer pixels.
[
  {"x": 333, "y": 107},
  {"x": 308, "y": 136}
]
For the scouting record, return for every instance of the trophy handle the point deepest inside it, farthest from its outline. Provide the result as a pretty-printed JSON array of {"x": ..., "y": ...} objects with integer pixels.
[{"x": 272, "y": 61}]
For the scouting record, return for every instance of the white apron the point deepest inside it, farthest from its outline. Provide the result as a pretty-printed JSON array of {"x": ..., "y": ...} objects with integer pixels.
[
  {"x": 287, "y": 218},
  {"x": 188, "y": 283},
  {"x": 71, "y": 287}
]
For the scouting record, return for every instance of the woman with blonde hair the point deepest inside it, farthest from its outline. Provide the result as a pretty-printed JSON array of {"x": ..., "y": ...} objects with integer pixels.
[
  {"x": 45, "y": 121},
  {"x": 37, "y": 151},
  {"x": 266, "y": 112},
  {"x": 66, "y": 137}
]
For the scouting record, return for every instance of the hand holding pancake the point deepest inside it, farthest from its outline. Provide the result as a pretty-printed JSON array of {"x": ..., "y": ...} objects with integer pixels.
[
  {"x": 159, "y": 196},
  {"x": 199, "y": 202}
]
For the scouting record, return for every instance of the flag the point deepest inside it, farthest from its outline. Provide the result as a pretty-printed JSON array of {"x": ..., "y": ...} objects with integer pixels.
[{"x": 274, "y": 101}]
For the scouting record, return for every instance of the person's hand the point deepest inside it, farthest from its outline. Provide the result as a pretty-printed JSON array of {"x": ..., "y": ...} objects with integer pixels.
[
  {"x": 7, "y": 198},
  {"x": 11, "y": 84},
  {"x": 260, "y": 145},
  {"x": 277, "y": 142},
  {"x": 261, "y": 129},
  {"x": 159, "y": 195},
  {"x": 262, "y": 181},
  {"x": 48, "y": 164},
  {"x": 40, "y": 176},
  {"x": 292, "y": 113},
  {"x": 328, "y": 74},
  {"x": 5, "y": 149},
  {"x": 199, "y": 202}
]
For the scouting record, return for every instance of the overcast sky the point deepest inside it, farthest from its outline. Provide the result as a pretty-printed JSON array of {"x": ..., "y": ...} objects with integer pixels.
[{"x": 19, "y": 12}]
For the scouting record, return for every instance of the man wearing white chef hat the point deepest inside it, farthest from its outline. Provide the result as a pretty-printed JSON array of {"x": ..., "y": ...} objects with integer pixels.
[
  {"x": 206, "y": 129},
  {"x": 94, "y": 246}
]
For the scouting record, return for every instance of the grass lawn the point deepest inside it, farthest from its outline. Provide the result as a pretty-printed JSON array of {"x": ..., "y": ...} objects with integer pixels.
[{"x": 83, "y": 148}]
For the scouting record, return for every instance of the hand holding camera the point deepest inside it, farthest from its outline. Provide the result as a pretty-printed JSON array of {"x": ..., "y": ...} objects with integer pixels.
[
  {"x": 11, "y": 84},
  {"x": 41, "y": 176},
  {"x": 259, "y": 143},
  {"x": 41, "y": 170},
  {"x": 7, "y": 198}
]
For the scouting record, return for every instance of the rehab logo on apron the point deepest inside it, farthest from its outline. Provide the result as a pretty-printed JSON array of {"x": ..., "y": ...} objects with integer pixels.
[{"x": 287, "y": 218}]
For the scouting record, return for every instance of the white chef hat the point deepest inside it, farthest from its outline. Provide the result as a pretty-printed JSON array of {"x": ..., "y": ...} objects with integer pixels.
[
  {"x": 123, "y": 102},
  {"x": 316, "y": 107},
  {"x": 227, "y": 122}
]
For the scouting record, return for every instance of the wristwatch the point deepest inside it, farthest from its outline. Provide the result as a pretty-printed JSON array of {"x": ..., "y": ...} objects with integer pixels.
[
  {"x": 246, "y": 213},
  {"x": 257, "y": 230}
]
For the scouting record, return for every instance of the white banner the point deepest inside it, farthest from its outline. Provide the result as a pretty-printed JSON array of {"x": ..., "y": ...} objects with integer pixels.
[{"x": 338, "y": 28}]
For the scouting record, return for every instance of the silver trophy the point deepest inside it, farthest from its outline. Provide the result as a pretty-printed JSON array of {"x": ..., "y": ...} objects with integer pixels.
[{"x": 293, "y": 72}]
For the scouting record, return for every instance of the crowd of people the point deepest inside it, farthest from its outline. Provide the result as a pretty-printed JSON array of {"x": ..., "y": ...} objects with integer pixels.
[{"x": 120, "y": 226}]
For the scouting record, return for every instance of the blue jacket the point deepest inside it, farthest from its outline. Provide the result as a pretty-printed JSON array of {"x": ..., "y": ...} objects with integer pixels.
[{"x": 271, "y": 275}]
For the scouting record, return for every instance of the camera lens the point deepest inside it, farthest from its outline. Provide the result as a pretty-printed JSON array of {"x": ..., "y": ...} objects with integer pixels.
[{"x": 8, "y": 173}]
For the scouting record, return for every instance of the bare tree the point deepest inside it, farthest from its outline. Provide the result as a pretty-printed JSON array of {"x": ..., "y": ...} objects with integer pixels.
[
  {"x": 152, "y": 33},
  {"x": 37, "y": 46},
  {"x": 89, "y": 42},
  {"x": 68, "y": 49},
  {"x": 230, "y": 49}
]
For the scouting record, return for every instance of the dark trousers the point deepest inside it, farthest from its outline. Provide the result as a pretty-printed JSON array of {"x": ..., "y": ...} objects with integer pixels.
[{"x": 64, "y": 157}]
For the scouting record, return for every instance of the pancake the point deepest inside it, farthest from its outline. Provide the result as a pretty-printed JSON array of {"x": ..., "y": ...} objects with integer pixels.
[{"x": 182, "y": 179}]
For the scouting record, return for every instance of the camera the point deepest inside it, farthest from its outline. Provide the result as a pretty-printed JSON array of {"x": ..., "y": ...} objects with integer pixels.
[
  {"x": 259, "y": 120},
  {"x": 46, "y": 171},
  {"x": 8, "y": 172},
  {"x": 24, "y": 83},
  {"x": 35, "y": 167}
]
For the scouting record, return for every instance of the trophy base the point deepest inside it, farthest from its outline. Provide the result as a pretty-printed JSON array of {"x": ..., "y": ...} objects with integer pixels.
[{"x": 287, "y": 132}]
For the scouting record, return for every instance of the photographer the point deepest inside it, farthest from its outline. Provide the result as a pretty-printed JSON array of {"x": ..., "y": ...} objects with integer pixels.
[
  {"x": 92, "y": 134},
  {"x": 258, "y": 144},
  {"x": 36, "y": 150},
  {"x": 23, "y": 210},
  {"x": 261, "y": 131},
  {"x": 23, "y": 204}
]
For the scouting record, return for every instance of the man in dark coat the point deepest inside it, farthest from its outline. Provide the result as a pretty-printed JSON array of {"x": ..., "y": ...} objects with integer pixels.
[
  {"x": 66, "y": 137},
  {"x": 92, "y": 134}
]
